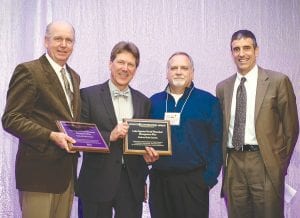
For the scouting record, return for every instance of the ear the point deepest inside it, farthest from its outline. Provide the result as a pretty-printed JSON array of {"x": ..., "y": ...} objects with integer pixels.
[
  {"x": 256, "y": 52},
  {"x": 134, "y": 72},
  {"x": 167, "y": 74},
  {"x": 46, "y": 42},
  {"x": 192, "y": 74},
  {"x": 110, "y": 65}
]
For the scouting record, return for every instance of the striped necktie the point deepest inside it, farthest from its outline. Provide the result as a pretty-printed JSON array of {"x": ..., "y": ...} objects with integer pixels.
[{"x": 67, "y": 87}]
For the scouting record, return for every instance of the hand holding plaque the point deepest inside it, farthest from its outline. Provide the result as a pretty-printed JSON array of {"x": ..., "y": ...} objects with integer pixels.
[
  {"x": 148, "y": 132},
  {"x": 87, "y": 136}
]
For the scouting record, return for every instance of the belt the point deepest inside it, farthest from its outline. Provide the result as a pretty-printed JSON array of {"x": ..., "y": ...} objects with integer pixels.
[{"x": 245, "y": 148}]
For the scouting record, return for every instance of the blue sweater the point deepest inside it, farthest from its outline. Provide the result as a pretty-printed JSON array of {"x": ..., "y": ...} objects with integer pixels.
[{"x": 197, "y": 140}]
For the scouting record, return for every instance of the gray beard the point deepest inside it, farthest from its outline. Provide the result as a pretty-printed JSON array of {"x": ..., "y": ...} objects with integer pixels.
[{"x": 178, "y": 83}]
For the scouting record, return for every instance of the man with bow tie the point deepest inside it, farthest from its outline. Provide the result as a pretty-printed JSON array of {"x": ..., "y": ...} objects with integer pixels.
[{"x": 114, "y": 180}]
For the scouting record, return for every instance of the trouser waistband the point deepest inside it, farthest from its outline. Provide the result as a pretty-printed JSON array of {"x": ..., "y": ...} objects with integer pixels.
[{"x": 245, "y": 148}]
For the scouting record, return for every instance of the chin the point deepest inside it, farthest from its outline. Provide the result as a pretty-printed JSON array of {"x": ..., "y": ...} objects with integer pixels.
[{"x": 178, "y": 85}]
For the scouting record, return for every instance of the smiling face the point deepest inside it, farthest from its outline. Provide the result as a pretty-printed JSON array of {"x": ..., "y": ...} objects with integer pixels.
[
  {"x": 122, "y": 69},
  {"x": 244, "y": 54},
  {"x": 59, "y": 41},
  {"x": 180, "y": 73}
]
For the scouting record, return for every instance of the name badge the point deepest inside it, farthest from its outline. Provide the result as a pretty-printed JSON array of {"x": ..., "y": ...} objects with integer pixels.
[{"x": 174, "y": 118}]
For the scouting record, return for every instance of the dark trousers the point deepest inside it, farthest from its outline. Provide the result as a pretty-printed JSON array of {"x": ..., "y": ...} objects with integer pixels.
[
  {"x": 248, "y": 190},
  {"x": 178, "y": 194},
  {"x": 124, "y": 203}
]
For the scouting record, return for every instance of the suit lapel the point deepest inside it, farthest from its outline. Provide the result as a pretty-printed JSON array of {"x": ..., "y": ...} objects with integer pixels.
[
  {"x": 262, "y": 86},
  {"x": 54, "y": 82},
  {"x": 75, "y": 84},
  {"x": 135, "y": 103},
  {"x": 107, "y": 102},
  {"x": 228, "y": 95}
]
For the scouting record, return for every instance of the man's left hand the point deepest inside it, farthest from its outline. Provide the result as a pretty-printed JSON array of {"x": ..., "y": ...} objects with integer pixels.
[{"x": 151, "y": 155}]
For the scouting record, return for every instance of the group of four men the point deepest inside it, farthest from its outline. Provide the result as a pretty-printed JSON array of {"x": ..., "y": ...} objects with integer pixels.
[{"x": 250, "y": 128}]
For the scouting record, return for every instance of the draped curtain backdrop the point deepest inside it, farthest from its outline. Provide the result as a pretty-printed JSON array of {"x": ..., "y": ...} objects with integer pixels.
[{"x": 202, "y": 28}]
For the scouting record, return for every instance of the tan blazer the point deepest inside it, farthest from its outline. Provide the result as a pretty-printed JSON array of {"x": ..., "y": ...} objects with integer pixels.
[
  {"x": 35, "y": 100},
  {"x": 276, "y": 121}
]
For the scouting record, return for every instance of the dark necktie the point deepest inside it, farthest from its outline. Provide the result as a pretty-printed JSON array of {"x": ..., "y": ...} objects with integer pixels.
[
  {"x": 240, "y": 116},
  {"x": 67, "y": 86},
  {"x": 118, "y": 93}
]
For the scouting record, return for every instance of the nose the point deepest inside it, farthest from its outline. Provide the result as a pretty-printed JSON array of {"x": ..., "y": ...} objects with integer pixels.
[
  {"x": 125, "y": 66},
  {"x": 242, "y": 52},
  {"x": 63, "y": 43},
  {"x": 178, "y": 71}
]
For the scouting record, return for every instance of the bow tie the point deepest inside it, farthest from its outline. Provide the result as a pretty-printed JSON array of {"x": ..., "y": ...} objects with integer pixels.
[{"x": 118, "y": 93}]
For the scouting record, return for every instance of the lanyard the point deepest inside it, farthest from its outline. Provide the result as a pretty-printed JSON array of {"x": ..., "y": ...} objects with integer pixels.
[{"x": 183, "y": 103}]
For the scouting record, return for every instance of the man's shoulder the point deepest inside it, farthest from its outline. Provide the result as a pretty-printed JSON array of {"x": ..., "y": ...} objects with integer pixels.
[
  {"x": 30, "y": 64},
  {"x": 204, "y": 95},
  {"x": 158, "y": 95},
  {"x": 93, "y": 88},
  {"x": 138, "y": 94},
  {"x": 226, "y": 81},
  {"x": 30, "y": 69},
  {"x": 272, "y": 73}
]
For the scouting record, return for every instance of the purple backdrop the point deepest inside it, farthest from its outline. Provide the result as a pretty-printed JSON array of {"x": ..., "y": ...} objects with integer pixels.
[{"x": 200, "y": 27}]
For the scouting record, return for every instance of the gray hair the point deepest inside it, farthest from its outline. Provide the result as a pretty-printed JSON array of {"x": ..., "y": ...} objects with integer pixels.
[{"x": 181, "y": 53}]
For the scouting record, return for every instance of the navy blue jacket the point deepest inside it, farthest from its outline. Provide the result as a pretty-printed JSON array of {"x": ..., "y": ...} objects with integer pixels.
[{"x": 197, "y": 141}]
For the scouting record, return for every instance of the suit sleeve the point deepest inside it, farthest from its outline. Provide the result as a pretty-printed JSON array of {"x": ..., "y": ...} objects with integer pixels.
[
  {"x": 17, "y": 118},
  {"x": 85, "y": 114},
  {"x": 289, "y": 115},
  {"x": 218, "y": 91}
]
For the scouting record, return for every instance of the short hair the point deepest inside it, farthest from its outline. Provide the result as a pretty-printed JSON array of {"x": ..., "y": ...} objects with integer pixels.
[
  {"x": 48, "y": 28},
  {"x": 243, "y": 34},
  {"x": 125, "y": 46},
  {"x": 181, "y": 53}
]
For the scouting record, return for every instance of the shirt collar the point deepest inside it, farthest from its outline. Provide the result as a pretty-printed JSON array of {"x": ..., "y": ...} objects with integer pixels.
[
  {"x": 187, "y": 89},
  {"x": 113, "y": 88},
  {"x": 250, "y": 76},
  {"x": 53, "y": 64}
]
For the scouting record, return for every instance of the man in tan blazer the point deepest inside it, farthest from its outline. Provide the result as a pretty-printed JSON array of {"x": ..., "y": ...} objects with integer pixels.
[
  {"x": 38, "y": 95},
  {"x": 254, "y": 173}
]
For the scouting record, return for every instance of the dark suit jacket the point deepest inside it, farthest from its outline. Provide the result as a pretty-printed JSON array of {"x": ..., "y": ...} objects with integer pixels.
[
  {"x": 35, "y": 100},
  {"x": 276, "y": 121},
  {"x": 100, "y": 173}
]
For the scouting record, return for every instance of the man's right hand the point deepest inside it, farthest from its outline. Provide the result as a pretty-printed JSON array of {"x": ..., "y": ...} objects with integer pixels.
[
  {"x": 62, "y": 140},
  {"x": 119, "y": 132}
]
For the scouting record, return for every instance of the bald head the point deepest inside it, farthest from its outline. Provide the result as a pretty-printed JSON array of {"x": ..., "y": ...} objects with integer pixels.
[
  {"x": 59, "y": 24},
  {"x": 59, "y": 41}
]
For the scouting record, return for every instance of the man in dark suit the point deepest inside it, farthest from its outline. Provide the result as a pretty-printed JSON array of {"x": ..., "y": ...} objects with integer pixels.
[
  {"x": 114, "y": 180},
  {"x": 36, "y": 98},
  {"x": 260, "y": 132}
]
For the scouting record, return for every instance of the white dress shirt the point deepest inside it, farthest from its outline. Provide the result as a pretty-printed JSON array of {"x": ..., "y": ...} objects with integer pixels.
[
  {"x": 122, "y": 105},
  {"x": 250, "y": 85},
  {"x": 56, "y": 67}
]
